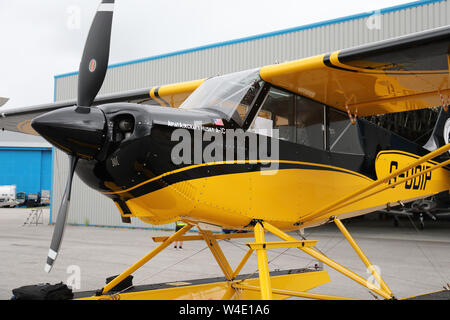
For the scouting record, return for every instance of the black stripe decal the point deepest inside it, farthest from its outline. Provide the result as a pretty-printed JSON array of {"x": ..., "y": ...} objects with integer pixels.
[
  {"x": 417, "y": 157},
  {"x": 328, "y": 63},
  {"x": 217, "y": 170},
  {"x": 157, "y": 96}
]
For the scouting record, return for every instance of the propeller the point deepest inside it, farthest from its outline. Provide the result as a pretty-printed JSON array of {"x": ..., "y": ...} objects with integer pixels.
[
  {"x": 84, "y": 123},
  {"x": 58, "y": 232},
  {"x": 94, "y": 61}
]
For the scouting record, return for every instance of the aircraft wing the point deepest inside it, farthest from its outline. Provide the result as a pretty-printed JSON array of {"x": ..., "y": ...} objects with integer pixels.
[
  {"x": 401, "y": 74},
  {"x": 396, "y": 75},
  {"x": 19, "y": 119}
]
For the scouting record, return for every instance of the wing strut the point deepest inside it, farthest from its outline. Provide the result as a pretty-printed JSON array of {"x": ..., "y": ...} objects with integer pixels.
[
  {"x": 348, "y": 200},
  {"x": 382, "y": 290}
]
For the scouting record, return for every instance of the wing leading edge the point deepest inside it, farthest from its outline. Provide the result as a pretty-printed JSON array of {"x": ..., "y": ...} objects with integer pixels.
[
  {"x": 172, "y": 95},
  {"x": 402, "y": 74}
]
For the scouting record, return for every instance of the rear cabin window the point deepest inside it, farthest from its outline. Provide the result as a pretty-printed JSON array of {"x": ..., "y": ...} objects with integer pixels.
[
  {"x": 343, "y": 136},
  {"x": 305, "y": 121},
  {"x": 309, "y": 122},
  {"x": 298, "y": 119},
  {"x": 277, "y": 112}
]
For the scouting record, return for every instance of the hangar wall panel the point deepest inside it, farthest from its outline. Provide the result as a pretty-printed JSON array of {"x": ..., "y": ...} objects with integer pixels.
[
  {"x": 233, "y": 56},
  {"x": 262, "y": 50},
  {"x": 30, "y": 169}
]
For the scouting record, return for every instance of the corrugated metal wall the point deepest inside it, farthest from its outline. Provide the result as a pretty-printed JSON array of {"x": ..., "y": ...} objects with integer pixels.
[{"x": 296, "y": 43}]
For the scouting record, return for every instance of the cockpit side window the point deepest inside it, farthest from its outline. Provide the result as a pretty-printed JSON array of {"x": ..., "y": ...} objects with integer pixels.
[
  {"x": 277, "y": 112},
  {"x": 298, "y": 119},
  {"x": 305, "y": 121},
  {"x": 231, "y": 96},
  {"x": 343, "y": 136},
  {"x": 309, "y": 122}
]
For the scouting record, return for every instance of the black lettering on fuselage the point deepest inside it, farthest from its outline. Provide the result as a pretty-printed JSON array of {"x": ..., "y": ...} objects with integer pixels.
[
  {"x": 394, "y": 167},
  {"x": 417, "y": 183}
]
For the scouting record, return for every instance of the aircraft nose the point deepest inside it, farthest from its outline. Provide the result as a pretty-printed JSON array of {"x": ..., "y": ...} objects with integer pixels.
[{"x": 75, "y": 130}]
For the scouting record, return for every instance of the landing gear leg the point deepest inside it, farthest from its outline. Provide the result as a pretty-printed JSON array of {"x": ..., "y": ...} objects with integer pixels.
[
  {"x": 422, "y": 224},
  {"x": 396, "y": 222},
  {"x": 263, "y": 265},
  {"x": 144, "y": 260},
  {"x": 383, "y": 290}
]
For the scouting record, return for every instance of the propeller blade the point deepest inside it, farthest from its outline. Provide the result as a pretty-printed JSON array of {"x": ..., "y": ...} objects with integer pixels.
[
  {"x": 94, "y": 62},
  {"x": 58, "y": 232}
]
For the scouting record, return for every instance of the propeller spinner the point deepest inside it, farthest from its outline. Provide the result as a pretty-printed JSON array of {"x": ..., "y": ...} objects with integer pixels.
[{"x": 80, "y": 131}]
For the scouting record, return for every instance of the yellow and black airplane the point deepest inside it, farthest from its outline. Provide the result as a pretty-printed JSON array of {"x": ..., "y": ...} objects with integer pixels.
[{"x": 275, "y": 149}]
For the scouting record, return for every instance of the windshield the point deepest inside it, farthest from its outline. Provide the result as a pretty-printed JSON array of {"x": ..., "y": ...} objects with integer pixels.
[{"x": 230, "y": 95}]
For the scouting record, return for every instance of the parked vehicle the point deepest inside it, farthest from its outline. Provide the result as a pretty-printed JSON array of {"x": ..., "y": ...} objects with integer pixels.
[
  {"x": 8, "y": 196},
  {"x": 33, "y": 200},
  {"x": 21, "y": 198},
  {"x": 45, "y": 198}
]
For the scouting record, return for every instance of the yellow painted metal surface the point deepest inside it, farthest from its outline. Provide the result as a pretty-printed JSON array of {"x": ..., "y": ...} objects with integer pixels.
[
  {"x": 321, "y": 257},
  {"x": 217, "y": 253},
  {"x": 369, "y": 91},
  {"x": 435, "y": 181},
  {"x": 282, "y": 244},
  {"x": 233, "y": 200},
  {"x": 174, "y": 94},
  {"x": 216, "y": 236},
  {"x": 217, "y": 291},
  {"x": 362, "y": 256},
  {"x": 145, "y": 259},
  {"x": 265, "y": 282},
  {"x": 236, "y": 199},
  {"x": 242, "y": 263},
  {"x": 387, "y": 172},
  {"x": 291, "y": 293}
]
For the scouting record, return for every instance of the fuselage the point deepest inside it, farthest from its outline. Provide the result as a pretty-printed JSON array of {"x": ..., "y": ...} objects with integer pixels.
[
  {"x": 236, "y": 150},
  {"x": 146, "y": 180}
]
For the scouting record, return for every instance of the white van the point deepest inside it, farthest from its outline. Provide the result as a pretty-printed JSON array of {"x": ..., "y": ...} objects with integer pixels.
[{"x": 8, "y": 196}]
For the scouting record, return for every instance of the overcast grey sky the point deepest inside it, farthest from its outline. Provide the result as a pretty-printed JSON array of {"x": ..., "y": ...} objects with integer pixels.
[{"x": 40, "y": 39}]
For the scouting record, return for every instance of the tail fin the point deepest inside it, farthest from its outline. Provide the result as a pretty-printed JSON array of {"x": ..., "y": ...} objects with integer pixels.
[
  {"x": 441, "y": 131},
  {"x": 3, "y": 101}
]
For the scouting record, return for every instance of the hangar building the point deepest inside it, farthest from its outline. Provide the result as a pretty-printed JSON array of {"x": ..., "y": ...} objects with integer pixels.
[
  {"x": 89, "y": 207},
  {"x": 26, "y": 162}
]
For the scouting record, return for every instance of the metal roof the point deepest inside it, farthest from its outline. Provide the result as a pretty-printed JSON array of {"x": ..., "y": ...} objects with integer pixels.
[
  {"x": 271, "y": 34},
  {"x": 10, "y": 139}
]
